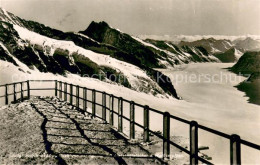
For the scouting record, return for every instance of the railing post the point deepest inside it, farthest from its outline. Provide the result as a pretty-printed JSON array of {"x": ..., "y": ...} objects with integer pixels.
[
  {"x": 193, "y": 143},
  {"x": 21, "y": 91},
  {"x": 132, "y": 120},
  {"x": 120, "y": 113},
  {"x": 14, "y": 92},
  {"x": 146, "y": 123},
  {"x": 111, "y": 110},
  {"x": 6, "y": 94},
  {"x": 104, "y": 106},
  {"x": 56, "y": 88},
  {"x": 84, "y": 99},
  {"x": 28, "y": 89},
  {"x": 60, "y": 90},
  {"x": 235, "y": 150},
  {"x": 77, "y": 97},
  {"x": 65, "y": 91},
  {"x": 93, "y": 102},
  {"x": 71, "y": 94},
  {"x": 166, "y": 135}
]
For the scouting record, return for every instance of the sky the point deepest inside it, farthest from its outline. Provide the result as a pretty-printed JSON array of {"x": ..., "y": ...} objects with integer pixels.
[{"x": 145, "y": 17}]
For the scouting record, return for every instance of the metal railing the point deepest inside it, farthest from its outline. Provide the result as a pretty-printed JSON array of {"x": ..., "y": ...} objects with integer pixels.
[{"x": 64, "y": 89}]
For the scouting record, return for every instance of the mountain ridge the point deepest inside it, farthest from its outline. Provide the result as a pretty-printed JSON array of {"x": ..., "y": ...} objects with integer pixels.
[{"x": 50, "y": 57}]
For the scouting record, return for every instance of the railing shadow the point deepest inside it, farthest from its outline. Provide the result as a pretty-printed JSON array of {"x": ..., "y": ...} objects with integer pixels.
[{"x": 76, "y": 135}]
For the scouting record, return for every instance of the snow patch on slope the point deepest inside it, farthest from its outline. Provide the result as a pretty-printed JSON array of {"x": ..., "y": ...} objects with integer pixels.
[
  {"x": 238, "y": 54},
  {"x": 22, "y": 65},
  {"x": 85, "y": 36},
  {"x": 146, "y": 44},
  {"x": 172, "y": 55}
]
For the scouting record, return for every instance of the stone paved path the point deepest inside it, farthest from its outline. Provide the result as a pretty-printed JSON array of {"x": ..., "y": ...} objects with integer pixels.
[{"x": 74, "y": 138}]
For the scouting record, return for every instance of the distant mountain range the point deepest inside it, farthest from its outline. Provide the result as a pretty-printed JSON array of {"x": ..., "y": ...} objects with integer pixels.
[
  {"x": 191, "y": 38},
  {"x": 216, "y": 46}
]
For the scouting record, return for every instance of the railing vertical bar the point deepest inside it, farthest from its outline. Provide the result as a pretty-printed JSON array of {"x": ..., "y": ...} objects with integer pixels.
[
  {"x": 120, "y": 112},
  {"x": 28, "y": 89},
  {"x": 71, "y": 94},
  {"x": 21, "y": 91},
  {"x": 146, "y": 123},
  {"x": 104, "y": 114},
  {"x": 60, "y": 83},
  {"x": 235, "y": 150},
  {"x": 111, "y": 110},
  {"x": 6, "y": 94},
  {"x": 132, "y": 120},
  {"x": 166, "y": 135},
  {"x": 193, "y": 143},
  {"x": 77, "y": 97},
  {"x": 14, "y": 92},
  {"x": 56, "y": 88},
  {"x": 84, "y": 99},
  {"x": 93, "y": 102},
  {"x": 65, "y": 91}
]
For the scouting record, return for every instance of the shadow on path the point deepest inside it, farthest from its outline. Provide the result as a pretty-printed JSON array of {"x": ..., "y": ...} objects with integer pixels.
[
  {"x": 45, "y": 139},
  {"x": 73, "y": 137}
]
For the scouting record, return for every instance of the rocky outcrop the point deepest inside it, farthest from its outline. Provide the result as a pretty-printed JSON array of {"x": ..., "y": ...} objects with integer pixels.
[
  {"x": 103, "y": 33},
  {"x": 252, "y": 88},
  {"x": 227, "y": 56},
  {"x": 248, "y": 63}
]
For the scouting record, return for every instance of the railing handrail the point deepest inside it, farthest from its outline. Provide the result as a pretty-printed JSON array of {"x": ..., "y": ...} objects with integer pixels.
[{"x": 235, "y": 141}]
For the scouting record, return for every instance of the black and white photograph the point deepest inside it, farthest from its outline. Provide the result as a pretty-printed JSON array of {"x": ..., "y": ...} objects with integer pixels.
[{"x": 130, "y": 82}]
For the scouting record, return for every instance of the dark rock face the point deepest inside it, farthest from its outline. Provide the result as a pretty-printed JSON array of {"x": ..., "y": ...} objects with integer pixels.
[
  {"x": 163, "y": 81},
  {"x": 99, "y": 30},
  {"x": 248, "y": 63},
  {"x": 196, "y": 56},
  {"x": 115, "y": 76},
  {"x": 228, "y": 56},
  {"x": 102, "y": 33},
  {"x": 9, "y": 38},
  {"x": 5, "y": 57},
  {"x": 252, "y": 88}
]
